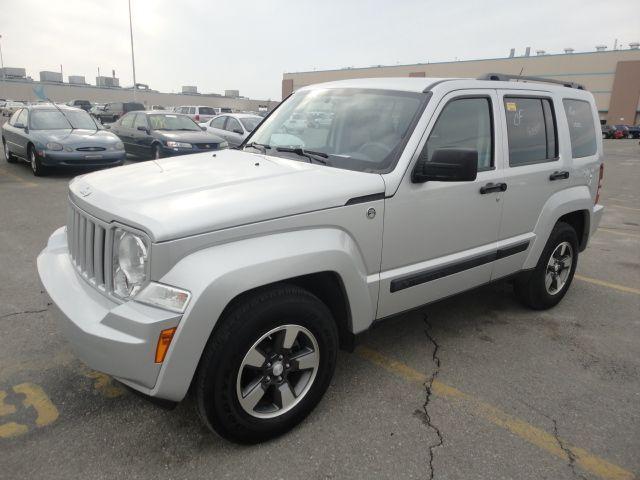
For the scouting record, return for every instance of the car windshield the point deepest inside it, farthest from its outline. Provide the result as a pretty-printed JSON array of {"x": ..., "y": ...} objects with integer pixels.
[
  {"x": 172, "y": 122},
  {"x": 364, "y": 128},
  {"x": 250, "y": 123},
  {"x": 56, "y": 120}
]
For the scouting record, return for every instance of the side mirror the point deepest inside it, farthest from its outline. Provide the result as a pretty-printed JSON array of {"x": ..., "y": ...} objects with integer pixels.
[
  {"x": 204, "y": 129},
  {"x": 106, "y": 126},
  {"x": 142, "y": 128},
  {"x": 447, "y": 165},
  {"x": 238, "y": 131}
]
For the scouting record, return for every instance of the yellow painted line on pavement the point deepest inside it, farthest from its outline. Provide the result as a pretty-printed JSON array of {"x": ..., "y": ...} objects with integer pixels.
[
  {"x": 613, "y": 205},
  {"x": 536, "y": 436},
  {"x": 602, "y": 283},
  {"x": 619, "y": 232},
  {"x": 26, "y": 183},
  {"x": 35, "y": 397}
]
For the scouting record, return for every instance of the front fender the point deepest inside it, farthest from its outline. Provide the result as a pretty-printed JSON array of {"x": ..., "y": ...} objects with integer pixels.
[
  {"x": 560, "y": 203},
  {"x": 218, "y": 274}
]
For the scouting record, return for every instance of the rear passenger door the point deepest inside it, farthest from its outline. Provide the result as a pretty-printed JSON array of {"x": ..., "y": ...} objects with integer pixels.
[
  {"x": 124, "y": 130},
  {"x": 216, "y": 126},
  {"x": 534, "y": 170}
]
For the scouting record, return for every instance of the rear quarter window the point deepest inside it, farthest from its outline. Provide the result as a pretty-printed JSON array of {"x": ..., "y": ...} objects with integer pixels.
[{"x": 582, "y": 130}]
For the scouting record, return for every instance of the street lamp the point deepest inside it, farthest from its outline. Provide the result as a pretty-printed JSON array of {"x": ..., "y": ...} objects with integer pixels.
[
  {"x": 1, "y": 59},
  {"x": 133, "y": 61}
]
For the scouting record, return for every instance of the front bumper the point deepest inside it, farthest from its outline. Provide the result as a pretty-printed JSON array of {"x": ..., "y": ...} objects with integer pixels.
[
  {"x": 114, "y": 338},
  {"x": 51, "y": 158}
]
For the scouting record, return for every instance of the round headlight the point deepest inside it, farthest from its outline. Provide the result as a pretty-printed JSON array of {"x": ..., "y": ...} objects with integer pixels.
[{"x": 130, "y": 260}]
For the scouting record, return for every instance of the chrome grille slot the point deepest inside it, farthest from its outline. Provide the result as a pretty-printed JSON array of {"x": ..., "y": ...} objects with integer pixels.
[{"x": 87, "y": 240}]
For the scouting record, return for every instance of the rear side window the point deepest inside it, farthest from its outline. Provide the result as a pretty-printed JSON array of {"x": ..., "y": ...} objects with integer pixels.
[
  {"x": 218, "y": 122},
  {"x": 531, "y": 130},
  {"x": 464, "y": 123},
  {"x": 127, "y": 121},
  {"x": 192, "y": 110},
  {"x": 207, "y": 111},
  {"x": 582, "y": 130}
]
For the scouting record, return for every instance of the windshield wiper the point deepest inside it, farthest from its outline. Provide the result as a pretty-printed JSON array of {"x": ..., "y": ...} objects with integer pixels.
[
  {"x": 310, "y": 154},
  {"x": 258, "y": 146}
]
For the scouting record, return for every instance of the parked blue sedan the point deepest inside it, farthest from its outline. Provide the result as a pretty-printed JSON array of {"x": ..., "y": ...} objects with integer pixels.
[{"x": 49, "y": 136}]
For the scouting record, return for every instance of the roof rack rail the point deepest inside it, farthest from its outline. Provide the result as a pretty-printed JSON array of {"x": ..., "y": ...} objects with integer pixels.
[{"x": 505, "y": 77}]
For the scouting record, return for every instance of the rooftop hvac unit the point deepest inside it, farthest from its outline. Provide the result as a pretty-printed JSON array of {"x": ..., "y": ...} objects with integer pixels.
[
  {"x": 540, "y": 52},
  {"x": 569, "y": 50},
  {"x": 634, "y": 45},
  {"x": 601, "y": 48},
  {"x": 51, "y": 77},
  {"x": 77, "y": 80},
  {"x": 512, "y": 53}
]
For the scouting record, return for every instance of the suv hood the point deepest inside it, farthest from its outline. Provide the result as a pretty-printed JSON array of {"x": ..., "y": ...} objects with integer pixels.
[{"x": 181, "y": 196}]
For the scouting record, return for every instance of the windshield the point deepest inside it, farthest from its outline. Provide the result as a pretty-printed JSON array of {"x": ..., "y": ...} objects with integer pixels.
[
  {"x": 55, "y": 120},
  {"x": 358, "y": 129},
  {"x": 250, "y": 123},
  {"x": 172, "y": 122}
]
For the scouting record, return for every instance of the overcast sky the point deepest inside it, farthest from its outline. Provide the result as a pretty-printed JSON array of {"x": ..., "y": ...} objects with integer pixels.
[{"x": 248, "y": 44}]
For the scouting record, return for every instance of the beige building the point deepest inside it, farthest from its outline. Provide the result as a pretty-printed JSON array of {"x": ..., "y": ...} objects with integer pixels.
[
  {"x": 17, "y": 89},
  {"x": 612, "y": 76}
]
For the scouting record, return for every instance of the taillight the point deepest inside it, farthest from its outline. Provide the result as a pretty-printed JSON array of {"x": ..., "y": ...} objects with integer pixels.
[
  {"x": 600, "y": 177},
  {"x": 197, "y": 117}
]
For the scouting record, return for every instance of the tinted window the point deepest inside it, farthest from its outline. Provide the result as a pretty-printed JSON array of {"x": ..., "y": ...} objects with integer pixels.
[
  {"x": 232, "y": 124},
  {"x": 581, "y": 128},
  {"x": 131, "y": 107},
  {"x": 116, "y": 106},
  {"x": 192, "y": 110},
  {"x": 23, "y": 117},
  {"x": 218, "y": 122},
  {"x": 531, "y": 130},
  {"x": 140, "y": 121},
  {"x": 207, "y": 111},
  {"x": 464, "y": 123},
  {"x": 127, "y": 121}
]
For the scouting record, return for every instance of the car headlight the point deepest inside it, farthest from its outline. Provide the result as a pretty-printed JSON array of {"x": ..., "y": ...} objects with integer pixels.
[
  {"x": 223, "y": 145},
  {"x": 172, "y": 144},
  {"x": 117, "y": 146},
  {"x": 130, "y": 263},
  {"x": 164, "y": 296},
  {"x": 54, "y": 146}
]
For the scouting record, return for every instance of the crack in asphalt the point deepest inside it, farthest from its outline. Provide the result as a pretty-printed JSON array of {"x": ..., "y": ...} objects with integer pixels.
[
  {"x": 429, "y": 393},
  {"x": 571, "y": 457},
  {"x": 23, "y": 312}
]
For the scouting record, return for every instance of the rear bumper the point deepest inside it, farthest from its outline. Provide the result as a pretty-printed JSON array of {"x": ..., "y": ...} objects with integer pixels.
[
  {"x": 117, "y": 339},
  {"x": 596, "y": 217},
  {"x": 82, "y": 159}
]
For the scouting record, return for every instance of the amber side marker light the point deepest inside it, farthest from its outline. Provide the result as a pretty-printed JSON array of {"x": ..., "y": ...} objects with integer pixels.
[{"x": 164, "y": 340}]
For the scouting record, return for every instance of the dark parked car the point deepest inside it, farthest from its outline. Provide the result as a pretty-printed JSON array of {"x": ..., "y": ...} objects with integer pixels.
[
  {"x": 157, "y": 134},
  {"x": 607, "y": 131},
  {"x": 46, "y": 136},
  {"x": 83, "y": 104},
  {"x": 634, "y": 131},
  {"x": 113, "y": 111}
]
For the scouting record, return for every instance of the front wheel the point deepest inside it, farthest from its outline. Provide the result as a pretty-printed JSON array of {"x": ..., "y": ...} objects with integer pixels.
[
  {"x": 267, "y": 365},
  {"x": 37, "y": 168},
  {"x": 156, "y": 152},
  {"x": 548, "y": 283}
]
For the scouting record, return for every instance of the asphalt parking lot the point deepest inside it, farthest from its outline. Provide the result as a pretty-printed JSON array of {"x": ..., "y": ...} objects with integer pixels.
[{"x": 475, "y": 386}]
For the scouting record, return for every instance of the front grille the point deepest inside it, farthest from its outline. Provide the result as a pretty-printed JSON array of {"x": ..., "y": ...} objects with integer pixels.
[
  {"x": 90, "y": 149},
  {"x": 207, "y": 146},
  {"x": 88, "y": 239}
]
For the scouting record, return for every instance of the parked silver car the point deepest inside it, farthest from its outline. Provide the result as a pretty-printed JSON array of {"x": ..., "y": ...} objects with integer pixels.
[{"x": 234, "y": 128}]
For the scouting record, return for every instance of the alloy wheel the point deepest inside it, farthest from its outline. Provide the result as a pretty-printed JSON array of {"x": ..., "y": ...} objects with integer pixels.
[
  {"x": 558, "y": 268},
  {"x": 277, "y": 371}
]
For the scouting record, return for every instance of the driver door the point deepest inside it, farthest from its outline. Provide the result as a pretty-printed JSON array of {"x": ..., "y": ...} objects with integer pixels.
[{"x": 440, "y": 238}]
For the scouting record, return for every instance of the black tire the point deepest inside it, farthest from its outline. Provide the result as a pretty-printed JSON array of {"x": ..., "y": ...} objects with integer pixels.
[
  {"x": 156, "y": 152},
  {"x": 7, "y": 154},
  {"x": 37, "y": 168},
  {"x": 238, "y": 330},
  {"x": 531, "y": 288}
]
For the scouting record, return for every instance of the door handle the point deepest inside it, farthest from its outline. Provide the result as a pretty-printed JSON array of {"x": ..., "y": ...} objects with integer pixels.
[
  {"x": 493, "y": 187},
  {"x": 557, "y": 175}
]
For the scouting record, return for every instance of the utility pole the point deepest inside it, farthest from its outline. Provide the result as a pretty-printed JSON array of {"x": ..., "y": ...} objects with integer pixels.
[{"x": 133, "y": 60}]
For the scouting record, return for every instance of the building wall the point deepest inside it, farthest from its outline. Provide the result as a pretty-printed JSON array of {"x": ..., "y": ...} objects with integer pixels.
[
  {"x": 595, "y": 70},
  {"x": 21, "y": 90}
]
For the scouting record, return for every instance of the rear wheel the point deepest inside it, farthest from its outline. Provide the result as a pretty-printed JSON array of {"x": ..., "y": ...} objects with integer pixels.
[
  {"x": 37, "y": 168},
  {"x": 548, "y": 283},
  {"x": 7, "y": 154},
  {"x": 267, "y": 365}
]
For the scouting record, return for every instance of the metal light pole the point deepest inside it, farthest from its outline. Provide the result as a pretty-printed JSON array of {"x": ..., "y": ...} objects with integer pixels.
[
  {"x": 133, "y": 60},
  {"x": 1, "y": 59}
]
